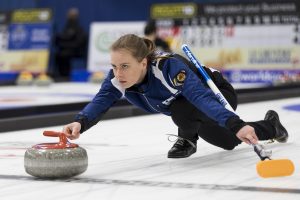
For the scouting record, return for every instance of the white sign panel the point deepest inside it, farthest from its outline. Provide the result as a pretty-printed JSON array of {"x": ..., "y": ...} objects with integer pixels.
[
  {"x": 102, "y": 35},
  {"x": 3, "y": 38}
]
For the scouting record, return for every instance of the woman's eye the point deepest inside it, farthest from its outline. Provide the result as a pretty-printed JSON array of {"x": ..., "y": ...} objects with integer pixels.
[{"x": 124, "y": 66}]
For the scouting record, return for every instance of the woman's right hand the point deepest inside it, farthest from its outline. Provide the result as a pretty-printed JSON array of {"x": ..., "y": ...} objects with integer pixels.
[
  {"x": 247, "y": 134},
  {"x": 72, "y": 130}
]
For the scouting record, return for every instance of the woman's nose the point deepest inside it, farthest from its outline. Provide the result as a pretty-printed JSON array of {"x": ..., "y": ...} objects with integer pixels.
[{"x": 118, "y": 72}]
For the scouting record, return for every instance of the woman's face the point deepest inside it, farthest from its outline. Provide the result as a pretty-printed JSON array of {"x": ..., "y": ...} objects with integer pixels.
[{"x": 127, "y": 69}]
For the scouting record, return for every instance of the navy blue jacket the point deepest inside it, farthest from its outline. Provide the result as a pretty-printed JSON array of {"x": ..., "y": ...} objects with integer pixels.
[{"x": 155, "y": 94}]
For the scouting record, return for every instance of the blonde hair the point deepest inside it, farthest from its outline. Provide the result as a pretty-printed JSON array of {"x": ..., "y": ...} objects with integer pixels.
[{"x": 140, "y": 48}]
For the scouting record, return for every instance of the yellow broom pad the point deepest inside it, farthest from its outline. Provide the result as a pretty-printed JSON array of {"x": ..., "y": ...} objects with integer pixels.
[{"x": 275, "y": 168}]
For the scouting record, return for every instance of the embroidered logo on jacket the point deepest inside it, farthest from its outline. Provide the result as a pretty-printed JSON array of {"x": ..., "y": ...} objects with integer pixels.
[{"x": 179, "y": 78}]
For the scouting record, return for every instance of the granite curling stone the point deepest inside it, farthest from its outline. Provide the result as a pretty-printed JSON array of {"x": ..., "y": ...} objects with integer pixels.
[
  {"x": 55, "y": 160},
  {"x": 24, "y": 79},
  {"x": 97, "y": 77},
  {"x": 43, "y": 80}
]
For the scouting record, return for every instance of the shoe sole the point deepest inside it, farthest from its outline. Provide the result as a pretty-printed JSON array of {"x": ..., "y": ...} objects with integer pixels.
[
  {"x": 179, "y": 156},
  {"x": 174, "y": 156},
  {"x": 284, "y": 137}
]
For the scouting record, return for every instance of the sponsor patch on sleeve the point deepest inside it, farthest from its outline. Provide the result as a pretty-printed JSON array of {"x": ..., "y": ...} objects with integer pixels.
[{"x": 178, "y": 80}]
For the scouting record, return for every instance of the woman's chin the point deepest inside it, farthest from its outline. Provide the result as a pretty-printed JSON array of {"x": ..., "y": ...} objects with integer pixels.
[{"x": 125, "y": 85}]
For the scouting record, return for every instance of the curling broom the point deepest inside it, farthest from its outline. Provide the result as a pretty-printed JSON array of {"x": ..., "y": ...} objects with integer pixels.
[{"x": 265, "y": 168}]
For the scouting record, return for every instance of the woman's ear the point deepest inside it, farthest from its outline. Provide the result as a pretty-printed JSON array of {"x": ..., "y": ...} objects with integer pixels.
[{"x": 145, "y": 62}]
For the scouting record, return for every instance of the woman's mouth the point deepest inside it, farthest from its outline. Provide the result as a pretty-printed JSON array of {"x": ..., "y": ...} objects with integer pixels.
[{"x": 122, "y": 82}]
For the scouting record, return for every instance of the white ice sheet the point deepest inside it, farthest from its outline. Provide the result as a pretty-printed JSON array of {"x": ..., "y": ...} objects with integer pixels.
[{"x": 127, "y": 160}]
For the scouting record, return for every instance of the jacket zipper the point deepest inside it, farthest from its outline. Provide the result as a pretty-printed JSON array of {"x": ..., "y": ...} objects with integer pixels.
[
  {"x": 146, "y": 101},
  {"x": 150, "y": 104}
]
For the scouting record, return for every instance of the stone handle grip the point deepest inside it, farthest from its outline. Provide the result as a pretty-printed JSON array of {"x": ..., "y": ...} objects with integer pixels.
[{"x": 62, "y": 137}]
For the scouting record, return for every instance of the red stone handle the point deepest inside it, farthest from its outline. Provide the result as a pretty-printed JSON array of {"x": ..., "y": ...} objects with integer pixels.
[
  {"x": 62, "y": 137},
  {"x": 63, "y": 141}
]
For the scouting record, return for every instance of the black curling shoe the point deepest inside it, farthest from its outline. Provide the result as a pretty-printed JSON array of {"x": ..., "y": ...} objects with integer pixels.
[
  {"x": 281, "y": 134},
  {"x": 182, "y": 148}
]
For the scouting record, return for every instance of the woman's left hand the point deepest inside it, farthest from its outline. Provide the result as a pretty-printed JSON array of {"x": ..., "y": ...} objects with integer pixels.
[{"x": 247, "y": 135}]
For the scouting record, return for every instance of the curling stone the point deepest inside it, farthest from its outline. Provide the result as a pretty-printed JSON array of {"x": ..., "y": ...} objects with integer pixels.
[
  {"x": 55, "y": 160},
  {"x": 97, "y": 77},
  {"x": 43, "y": 80},
  {"x": 25, "y": 78}
]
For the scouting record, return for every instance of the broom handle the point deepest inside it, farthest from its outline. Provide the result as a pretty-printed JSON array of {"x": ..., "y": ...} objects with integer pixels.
[{"x": 258, "y": 148}]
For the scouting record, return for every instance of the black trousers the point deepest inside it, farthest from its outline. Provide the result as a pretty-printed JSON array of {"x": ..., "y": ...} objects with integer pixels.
[{"x": 192, "y": 123}]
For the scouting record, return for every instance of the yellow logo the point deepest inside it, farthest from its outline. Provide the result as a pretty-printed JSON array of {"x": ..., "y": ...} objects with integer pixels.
[{"x": 179, "y": 79}]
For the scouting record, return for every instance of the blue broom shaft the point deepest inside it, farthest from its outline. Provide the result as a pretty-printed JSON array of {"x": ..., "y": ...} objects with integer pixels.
[{"x": 207, "y": 78}]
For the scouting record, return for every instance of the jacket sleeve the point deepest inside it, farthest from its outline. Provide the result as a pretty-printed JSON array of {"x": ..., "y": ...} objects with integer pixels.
[
  {"x": 195, "y": 91},
  {"x": 104, "y": 99}
]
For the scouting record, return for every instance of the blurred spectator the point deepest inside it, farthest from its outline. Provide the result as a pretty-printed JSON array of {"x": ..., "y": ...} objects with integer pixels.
[
  {"x": 70, "y": 43},
  {"x": 151, "y": 34}
]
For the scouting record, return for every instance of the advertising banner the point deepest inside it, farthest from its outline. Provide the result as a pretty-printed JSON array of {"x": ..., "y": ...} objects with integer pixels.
[
  {"x": 38, "y": 15},
  {"x": 34, "y": 61},
  {"x": 242, "y": 37},
  {"x": 25, "y": 41},
  {"x": 4, "y": 19},
  {"x": 3, "y": 37},
  {"x": 250, "y": 58},
  {"x": 29, "y": 36},
  {"x": 102, "y": 35}
]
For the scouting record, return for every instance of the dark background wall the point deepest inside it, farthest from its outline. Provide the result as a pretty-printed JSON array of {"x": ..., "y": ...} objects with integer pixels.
[
  {"x": 95, "y": 10},
  {"x": 100, "y": 10},
  {"x": 90, "y": 10}
]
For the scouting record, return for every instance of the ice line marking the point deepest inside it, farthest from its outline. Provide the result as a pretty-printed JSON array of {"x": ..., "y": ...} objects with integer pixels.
[{"x": 159, "y": 184}]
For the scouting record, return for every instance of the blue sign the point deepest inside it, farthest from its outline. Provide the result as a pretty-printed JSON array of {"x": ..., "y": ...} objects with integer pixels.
[
  {"x": 29, "y": 36},
  {"x": 260, "y": 76}
]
